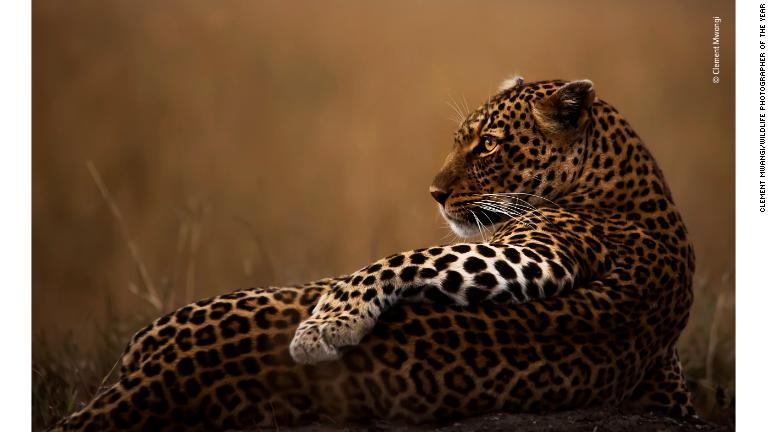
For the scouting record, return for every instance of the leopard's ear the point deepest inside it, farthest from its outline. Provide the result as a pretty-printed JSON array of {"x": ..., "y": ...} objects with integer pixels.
[
  {"x": 567, "y": 109},
  {"x": 511, "y": 83}
]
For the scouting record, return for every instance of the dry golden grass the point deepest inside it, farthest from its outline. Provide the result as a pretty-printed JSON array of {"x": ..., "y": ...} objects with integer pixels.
[{"x": 250, "y": 143}]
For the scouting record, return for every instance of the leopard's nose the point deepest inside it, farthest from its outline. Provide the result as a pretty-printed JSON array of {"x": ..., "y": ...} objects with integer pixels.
[{"x": 439, "y": 195}]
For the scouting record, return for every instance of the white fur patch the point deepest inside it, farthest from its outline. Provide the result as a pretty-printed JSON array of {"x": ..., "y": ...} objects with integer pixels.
[
  {"x": 511, "y": 82},
  {"x": 458, "y": 227},
  {"x": 466, "y": 229}
]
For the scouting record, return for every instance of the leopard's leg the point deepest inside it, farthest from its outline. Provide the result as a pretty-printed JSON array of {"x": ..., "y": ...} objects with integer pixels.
[
  {"x": 663, "y": 389},
  {"x": 523, "y": 262}
]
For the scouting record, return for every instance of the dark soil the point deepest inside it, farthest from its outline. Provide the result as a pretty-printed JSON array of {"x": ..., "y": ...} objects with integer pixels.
[{"x": 592, "y": 420}]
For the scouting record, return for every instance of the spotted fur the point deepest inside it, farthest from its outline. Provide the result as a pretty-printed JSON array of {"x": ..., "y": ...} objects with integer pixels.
[{"x": 576, "y": 299}]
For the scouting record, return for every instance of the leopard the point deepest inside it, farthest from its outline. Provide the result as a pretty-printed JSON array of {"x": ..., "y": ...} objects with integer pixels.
[{"x": 569, "y": 288}]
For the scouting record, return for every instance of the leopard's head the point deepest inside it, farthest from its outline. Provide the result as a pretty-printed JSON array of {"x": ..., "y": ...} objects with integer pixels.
[{"x": 524, "y": 147}]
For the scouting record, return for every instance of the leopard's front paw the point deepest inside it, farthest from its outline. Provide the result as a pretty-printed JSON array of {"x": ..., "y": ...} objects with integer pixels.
[
  {"x": 308, "y": 345},
  {"x": 318, "y": 339}
]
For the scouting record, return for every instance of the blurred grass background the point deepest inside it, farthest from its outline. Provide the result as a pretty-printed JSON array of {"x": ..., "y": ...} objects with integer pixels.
[{"x": 248, "y": 143}]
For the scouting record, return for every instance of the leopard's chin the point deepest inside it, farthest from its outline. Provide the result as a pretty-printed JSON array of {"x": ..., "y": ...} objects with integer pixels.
[{"x": 458, "y": 225}]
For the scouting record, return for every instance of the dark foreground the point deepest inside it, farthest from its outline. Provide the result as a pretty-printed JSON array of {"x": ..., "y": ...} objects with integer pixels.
[{"x": 591, "y": 420}]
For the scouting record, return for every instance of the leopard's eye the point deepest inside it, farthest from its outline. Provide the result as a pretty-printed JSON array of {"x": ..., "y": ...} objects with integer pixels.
[{"x": 487, "y": 145}]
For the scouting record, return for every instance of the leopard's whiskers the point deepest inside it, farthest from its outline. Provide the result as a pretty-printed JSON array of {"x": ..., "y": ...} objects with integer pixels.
[
  {"x": 459, "y": 119},
  {"x": 526, "y": 194},
  {"x": 510, "y": 212},
  {"x": 498, "y": 211},
  {"x": 479, "y": 225},
  {"x": 484, "y": 228},
  {"x": 490, "y": 223},
  {"x": 507, "y": 208},
  {"x": 466, "y": 106},
  {"x": 519, "y": 204}
]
